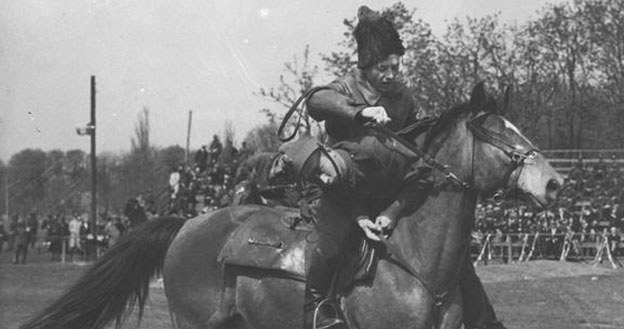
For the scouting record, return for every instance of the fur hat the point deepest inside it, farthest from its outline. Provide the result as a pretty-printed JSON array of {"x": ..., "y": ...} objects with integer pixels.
[{"x": 376, "y": 38}]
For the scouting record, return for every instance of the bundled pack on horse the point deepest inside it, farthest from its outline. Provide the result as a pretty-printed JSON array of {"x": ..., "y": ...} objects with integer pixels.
[{"x": 243, "y": 266}]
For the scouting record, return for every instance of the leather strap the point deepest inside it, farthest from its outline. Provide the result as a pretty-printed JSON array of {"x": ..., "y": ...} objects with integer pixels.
[
  {"x": 299, "y": 106},
  {"x": 399, "y": 260},
  {"x": 446, "y": 170}
]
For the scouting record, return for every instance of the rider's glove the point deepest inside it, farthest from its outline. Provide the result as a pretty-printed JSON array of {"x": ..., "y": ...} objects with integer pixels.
[
  {"x": 376, "y": 114},
  {"x": 385, "y": 224},
  {"x": 371, "y": 230}
]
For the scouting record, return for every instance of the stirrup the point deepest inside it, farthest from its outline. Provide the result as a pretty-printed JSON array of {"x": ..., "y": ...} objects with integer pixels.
[{"x": 329, "y": 322}]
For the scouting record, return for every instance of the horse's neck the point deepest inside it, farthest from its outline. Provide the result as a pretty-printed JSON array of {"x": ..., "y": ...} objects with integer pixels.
[{"x": 436, "y": 237}]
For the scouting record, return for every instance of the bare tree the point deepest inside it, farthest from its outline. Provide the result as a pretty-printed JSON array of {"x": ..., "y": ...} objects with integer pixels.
[{"x": 299, "y": 79}]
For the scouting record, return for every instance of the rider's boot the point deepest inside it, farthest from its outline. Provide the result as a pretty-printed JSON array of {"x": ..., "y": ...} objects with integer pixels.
[{"x": 319, "y": 311}]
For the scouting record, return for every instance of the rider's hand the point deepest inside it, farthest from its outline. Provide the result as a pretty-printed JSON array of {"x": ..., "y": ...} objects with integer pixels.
[
  {"x": 280, "y": 167},
  {"x": 370, "y": 229},
  {"x": 385, "y": 224},
  {"x": 377, "y": 114}
]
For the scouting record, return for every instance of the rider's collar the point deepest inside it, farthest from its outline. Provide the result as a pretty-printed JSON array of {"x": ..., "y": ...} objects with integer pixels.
[{"x": 370, "y": 94}]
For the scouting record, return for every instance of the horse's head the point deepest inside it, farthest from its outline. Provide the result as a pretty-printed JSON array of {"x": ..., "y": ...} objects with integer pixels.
[{"x": 505, "y": 157}]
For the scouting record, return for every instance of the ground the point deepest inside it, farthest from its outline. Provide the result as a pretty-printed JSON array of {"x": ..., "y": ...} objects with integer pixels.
[{"x": 538, "y": 294}]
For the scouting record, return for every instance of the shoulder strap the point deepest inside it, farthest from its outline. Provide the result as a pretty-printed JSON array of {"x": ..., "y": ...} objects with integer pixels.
[{"x": 299, "y": 105}]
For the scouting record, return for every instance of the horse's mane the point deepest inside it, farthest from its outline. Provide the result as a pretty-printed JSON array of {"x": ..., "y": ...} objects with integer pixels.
[
  {"x": 451, "y": 116},
  {"x": 445, "y": 119}
]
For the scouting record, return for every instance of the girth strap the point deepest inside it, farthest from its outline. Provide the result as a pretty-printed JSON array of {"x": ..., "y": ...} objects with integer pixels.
[{"x": 399, "y": 260}]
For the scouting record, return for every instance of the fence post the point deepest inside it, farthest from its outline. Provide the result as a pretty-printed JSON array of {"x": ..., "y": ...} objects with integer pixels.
[
  {"x": 63, "y": 249},
  {"x": 509, "y": 250},
  {"x": 614, "y": 262},
  {"x": 564, "y": 250},
  {"x": 600, "y": 251},
  {"x": 528, "y": 257},
  {"x": 525, "y": 240},
  {"x": 485, "y": 245}
]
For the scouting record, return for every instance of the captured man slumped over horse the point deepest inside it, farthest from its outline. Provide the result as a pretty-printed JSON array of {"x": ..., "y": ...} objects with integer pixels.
[{"x": 368, "y": 180}]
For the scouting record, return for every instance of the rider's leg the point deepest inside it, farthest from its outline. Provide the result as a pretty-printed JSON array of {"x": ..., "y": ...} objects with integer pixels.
[
  {"x": 478, "y": 310},
  {"x": 334, "y": 228}
]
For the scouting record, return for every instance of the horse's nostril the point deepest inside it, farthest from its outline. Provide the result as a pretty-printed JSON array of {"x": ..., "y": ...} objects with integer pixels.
[{"x": 552, "y": 186}]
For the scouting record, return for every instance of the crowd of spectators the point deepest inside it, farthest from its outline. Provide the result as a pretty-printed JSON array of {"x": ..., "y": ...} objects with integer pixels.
[
  {"x": 588, "y": 208},
  {"x": 209, "y": 179},
  {"x": 58, "y": 234}
]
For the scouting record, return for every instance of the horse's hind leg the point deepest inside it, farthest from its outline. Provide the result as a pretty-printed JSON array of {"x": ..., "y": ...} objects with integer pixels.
[{"x": 224, "y": 315}]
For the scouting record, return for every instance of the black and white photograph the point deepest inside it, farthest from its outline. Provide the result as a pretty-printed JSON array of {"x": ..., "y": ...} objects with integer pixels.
[{"x": 273, "y": 164}]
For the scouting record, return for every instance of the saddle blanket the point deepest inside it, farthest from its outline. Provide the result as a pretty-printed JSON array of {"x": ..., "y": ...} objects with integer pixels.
[
  {"x": 273, "y": 239},
  {"x": 277, "y": 238}
]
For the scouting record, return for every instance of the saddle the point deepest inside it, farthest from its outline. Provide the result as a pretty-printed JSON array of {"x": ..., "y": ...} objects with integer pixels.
[{"x": 276, "y": 239}]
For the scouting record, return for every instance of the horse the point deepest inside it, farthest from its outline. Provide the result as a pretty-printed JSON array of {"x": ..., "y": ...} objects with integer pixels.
[{"x": 481, "y": 150}]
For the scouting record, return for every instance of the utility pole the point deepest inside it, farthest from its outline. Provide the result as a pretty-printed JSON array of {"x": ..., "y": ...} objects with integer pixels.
[
  {"x": 188, "y": 137},
  {"x": 6, "y": 193},
  {"x": 93, "y": 165},
  {"x": 89, "y": 129}
]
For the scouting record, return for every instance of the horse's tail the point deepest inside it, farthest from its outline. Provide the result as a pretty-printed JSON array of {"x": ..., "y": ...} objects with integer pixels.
[{"x": 115, "y": 283}]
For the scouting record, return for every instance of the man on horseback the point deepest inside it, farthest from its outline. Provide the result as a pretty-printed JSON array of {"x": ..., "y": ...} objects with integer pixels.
[{"x": 363, "y": 173}]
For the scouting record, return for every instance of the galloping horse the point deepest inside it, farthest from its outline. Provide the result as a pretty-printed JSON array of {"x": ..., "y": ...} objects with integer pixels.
[{"x": 482, "y": 148}]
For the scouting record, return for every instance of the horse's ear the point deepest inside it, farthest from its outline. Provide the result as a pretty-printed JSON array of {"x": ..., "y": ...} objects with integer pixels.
[
  {"x": 478, "y": 98},
  {"x": 506, "y": 101}
]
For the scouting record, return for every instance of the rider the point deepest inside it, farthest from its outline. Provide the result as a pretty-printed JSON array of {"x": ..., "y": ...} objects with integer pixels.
[{"x": 353, "y": 171}]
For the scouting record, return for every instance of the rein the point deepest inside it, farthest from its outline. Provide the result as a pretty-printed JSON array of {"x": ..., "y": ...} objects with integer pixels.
[
  {"x": 431, "y": 161},
  {"x": 298, "y": 106}
]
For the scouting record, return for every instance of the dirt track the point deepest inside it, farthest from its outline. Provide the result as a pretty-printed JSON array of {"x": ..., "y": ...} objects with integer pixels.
[{"x": 539, "y": 294}]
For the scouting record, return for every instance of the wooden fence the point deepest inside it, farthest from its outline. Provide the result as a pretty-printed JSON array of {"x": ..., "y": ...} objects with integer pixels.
[
  {"x": 522, "y": 247},
  {"x": 564, "y": 160}
]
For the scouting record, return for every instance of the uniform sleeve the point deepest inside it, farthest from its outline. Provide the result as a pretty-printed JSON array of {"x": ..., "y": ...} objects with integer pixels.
[{"x": 334, "y": 103}]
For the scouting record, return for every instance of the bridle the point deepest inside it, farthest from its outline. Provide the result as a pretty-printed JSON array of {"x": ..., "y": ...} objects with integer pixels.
[{"x": 519, "y": 156}]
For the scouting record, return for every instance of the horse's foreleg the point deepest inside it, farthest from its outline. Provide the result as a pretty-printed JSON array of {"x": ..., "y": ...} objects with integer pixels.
[
  {"x": 223, "y": 316},
  {"x": 451, "y": 313}
]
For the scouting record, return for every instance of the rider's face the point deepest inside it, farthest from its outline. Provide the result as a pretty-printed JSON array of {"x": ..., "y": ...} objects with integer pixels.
[{"x": 383, "y": 74}]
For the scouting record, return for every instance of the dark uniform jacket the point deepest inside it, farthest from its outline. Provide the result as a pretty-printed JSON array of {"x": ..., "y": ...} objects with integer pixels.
[
  {"x": 350, "y": 94},
  {"x": 376, "y": 168}
]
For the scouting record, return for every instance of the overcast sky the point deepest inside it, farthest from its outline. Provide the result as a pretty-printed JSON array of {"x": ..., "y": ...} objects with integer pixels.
[{"x": 171, "y": 57}]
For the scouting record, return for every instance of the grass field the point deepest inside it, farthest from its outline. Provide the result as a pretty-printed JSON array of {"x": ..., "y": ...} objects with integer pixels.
[{"x": 539, "y": 294}]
